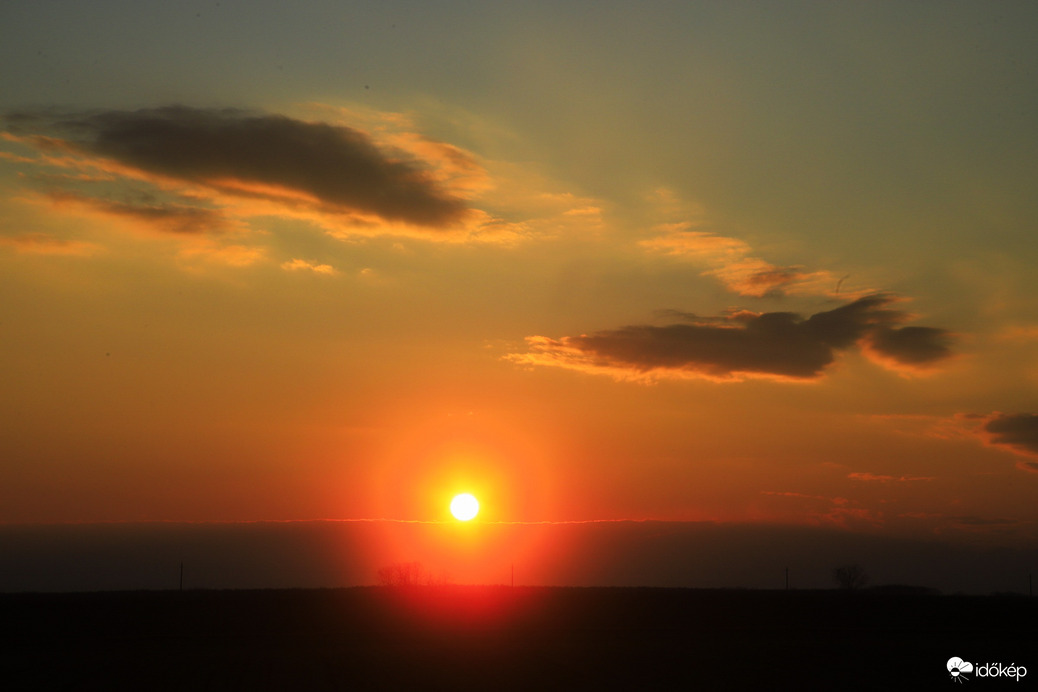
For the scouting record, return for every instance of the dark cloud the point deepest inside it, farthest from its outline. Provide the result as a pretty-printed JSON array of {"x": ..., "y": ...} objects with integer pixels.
[
  {"x": 1018, "y": 432},
  {"x": 338, "y": 167},
  {"x": 1012, "y": 432},
  {"x": 771, "y": 343},
  {"x": 911, "y": 345},
  {"x": 776, "y": 344}
]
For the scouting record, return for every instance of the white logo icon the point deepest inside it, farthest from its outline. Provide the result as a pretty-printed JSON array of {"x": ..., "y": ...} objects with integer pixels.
[{"x": 957, "y": 667}]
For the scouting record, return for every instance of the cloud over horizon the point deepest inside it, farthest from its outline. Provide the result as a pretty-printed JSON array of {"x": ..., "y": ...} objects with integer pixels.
[
  {"x": 741, "y": 344},
  {"x": 1015, "y": 432},
  {"x": 329, "y": 173}
]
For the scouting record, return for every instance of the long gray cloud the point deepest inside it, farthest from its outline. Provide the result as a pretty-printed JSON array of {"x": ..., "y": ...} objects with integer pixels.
[
  {"x": 772, "y": 344},
  {"x": 341, "y": 168}
]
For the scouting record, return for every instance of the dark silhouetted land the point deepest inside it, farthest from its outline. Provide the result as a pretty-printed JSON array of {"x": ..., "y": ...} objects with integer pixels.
[{"x": 500, "y": 638}]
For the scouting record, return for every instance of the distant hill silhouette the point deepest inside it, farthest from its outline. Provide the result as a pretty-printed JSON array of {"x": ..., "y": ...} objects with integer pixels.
[{"x": 89, "y": 557}]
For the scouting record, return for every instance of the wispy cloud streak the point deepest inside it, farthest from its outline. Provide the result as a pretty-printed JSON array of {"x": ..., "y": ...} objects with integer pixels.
[{"x": 733, "y": 263}]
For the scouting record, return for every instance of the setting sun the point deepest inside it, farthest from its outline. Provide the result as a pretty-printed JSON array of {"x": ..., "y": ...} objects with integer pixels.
[{"x": 464, "y": 507}]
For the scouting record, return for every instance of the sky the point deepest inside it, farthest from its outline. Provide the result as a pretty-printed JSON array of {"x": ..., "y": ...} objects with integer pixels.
[{"x": 765, "y": 264}]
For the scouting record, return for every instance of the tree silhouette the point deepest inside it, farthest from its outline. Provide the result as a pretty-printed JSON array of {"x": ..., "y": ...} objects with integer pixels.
[
  {"x": 407, "y": 574},
  {"x": 850, "y": 577}
]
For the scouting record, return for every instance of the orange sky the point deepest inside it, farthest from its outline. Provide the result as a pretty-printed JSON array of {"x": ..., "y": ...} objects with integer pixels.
[{"x": 755, "y": 264}]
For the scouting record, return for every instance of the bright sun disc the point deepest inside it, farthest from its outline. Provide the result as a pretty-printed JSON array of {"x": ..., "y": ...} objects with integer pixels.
[{"x": 464, "y": 507}]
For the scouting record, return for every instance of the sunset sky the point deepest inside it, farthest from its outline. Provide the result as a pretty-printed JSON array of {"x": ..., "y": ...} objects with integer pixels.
[{"x": 766, "y": 263}]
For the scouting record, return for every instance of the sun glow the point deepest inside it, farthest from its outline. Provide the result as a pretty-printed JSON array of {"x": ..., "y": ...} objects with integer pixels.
[{"x": 464, "y": 507}]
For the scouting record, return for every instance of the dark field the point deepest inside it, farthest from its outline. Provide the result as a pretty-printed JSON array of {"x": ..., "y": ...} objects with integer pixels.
[{"x": 499, "y": 638}]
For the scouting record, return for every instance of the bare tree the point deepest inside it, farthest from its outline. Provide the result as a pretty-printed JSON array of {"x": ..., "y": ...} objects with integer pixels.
[
  {"x": 850, "y": 577},
  {"x": 407, "y": 574}
]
